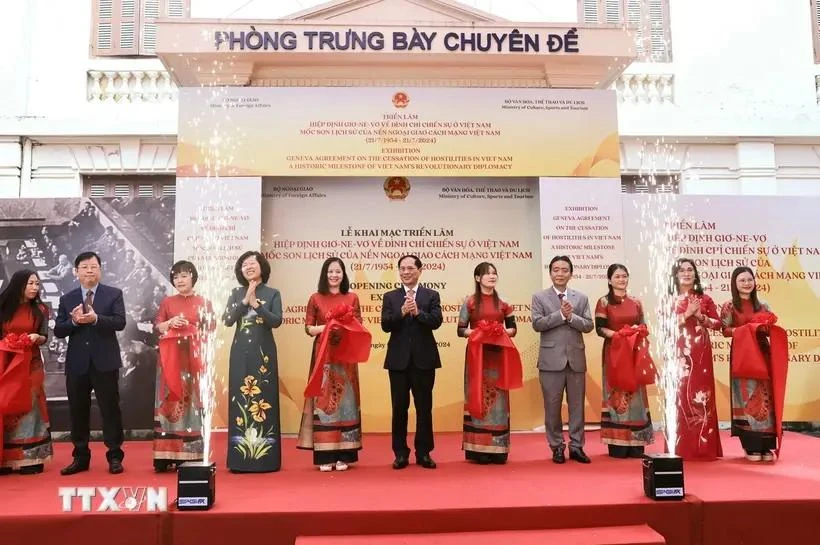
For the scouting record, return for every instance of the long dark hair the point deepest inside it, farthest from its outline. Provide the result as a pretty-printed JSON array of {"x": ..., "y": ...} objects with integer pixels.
[
  {"x": 11, "y": 295},
  {"x": 324, "y": 285},
  {"x": 736, "y": 294},
  {"x": 480, "y": 270},
  {"x": 610, "y": 296},
  {"x": 674, "y": 285}
]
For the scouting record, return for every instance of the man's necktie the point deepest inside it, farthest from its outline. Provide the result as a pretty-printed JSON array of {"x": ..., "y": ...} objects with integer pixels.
[
  {"x": 89, "y": 299},
  {"x": 412, "y": 294}
]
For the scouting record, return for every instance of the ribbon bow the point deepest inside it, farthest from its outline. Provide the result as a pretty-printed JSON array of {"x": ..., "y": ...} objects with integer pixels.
[
  {"x": 15, "y": 377},
  {"x": 749, "y": 361},
  {"x": 171, "y": 358},
  {"x": 630, "y": 363},
  {"x": 342, "y": 314},
  {"x": 510, "y": 374},
  {"x": 491, "y": 329},
  {"x": 764, "y": 318},
  {"x": 17, "y": 341},
  {"x": 344, "y": 340}
]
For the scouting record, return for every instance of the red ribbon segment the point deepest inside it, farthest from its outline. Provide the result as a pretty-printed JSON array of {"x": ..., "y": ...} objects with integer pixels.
[
  {"x": 510, "y": 372},
  {"x": 344, "y": 341}
]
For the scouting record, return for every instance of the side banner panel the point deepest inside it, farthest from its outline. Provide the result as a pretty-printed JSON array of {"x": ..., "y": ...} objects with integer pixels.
[
  {"x": 582, "y": 219},
  {"x": 777, "y": 237}
]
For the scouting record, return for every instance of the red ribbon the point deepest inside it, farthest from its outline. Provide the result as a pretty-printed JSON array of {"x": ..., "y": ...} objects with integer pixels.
[
  {"x": 171, "y": 358},
  {"x": 749, "y": 361},
  {"x": 510, "y": 373},
  {"x": 630, "y": 364},
  {"x": 15, "y": 377},
  {"x": 344, "y": 340}
]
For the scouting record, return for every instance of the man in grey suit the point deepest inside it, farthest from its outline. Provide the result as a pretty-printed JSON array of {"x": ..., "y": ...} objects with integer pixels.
[{"x": 562, "y": 315}]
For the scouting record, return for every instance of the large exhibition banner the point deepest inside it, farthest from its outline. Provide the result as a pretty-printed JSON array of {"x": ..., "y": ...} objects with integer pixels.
[
  {"x": 452, "y": 224},
  {"x": 344, "y": 131},
  {"x": 777, "y": 237}
]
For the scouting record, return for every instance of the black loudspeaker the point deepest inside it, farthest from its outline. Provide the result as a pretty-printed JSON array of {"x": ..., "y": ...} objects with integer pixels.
[
  {"x": 663, "y": 476},
  {"x": 196, "y": 486}
]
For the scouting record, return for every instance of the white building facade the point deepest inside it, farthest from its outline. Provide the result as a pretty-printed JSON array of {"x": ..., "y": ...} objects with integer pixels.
[{"x": 722, "y": 101}]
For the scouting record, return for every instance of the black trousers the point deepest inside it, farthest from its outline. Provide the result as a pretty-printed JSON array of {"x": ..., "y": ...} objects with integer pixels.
[
  {"x": 106, "y": 389},
  {"x": 622, "y": 451},
  {"x": 757, "y": 442},
  {"x": 420, "y": 382}
]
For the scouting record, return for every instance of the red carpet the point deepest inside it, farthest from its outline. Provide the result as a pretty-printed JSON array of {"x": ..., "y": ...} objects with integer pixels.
[
  {"x": 729, "y": 502},
  {"x": 610, "y": 535}
]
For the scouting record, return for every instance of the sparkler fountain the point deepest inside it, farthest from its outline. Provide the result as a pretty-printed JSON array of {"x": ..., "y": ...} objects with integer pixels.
[
  {"x": 211, "y": 248},
  {"x": 659, "y": 238}
]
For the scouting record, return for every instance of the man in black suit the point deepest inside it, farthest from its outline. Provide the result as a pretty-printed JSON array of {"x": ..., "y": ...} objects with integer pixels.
[
  {"x": 410, "y": 314},
  {"x": 90, "y": 317}
]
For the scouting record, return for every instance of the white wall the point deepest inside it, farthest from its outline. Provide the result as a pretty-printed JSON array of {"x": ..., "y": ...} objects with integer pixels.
[
  {"x": 47, "y": 81},
  {"x": 741, "y": 69}
]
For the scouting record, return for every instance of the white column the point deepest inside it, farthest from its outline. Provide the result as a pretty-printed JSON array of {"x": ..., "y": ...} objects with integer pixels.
[
  {"x": 150, "y": 87},
  {"x": 137, "y": 93},
  {"x": 757, "y": 168},
  {"x": 54, "y": 173},
  {"x": 10, "y": 166},
  {"x": 110, "y": 88},
  {"x": 94, "y": 86}
]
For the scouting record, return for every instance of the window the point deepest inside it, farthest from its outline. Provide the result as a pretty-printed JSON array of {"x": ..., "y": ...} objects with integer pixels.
[
  {"x": 660, "y": 183},
  {"x": 123, "y": 28},
  {"x": 649, "y": 17},
  {"x": 126, "y": 187},
  {"x": 815, "y": 27}
]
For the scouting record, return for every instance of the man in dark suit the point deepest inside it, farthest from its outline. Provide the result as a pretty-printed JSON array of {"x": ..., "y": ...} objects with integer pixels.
[
  {"x": 90, "y": 317},
  {"x": 410, "y": 314}
]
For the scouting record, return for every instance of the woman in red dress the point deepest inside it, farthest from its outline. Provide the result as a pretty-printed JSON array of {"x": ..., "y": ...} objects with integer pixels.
[
  {"x": 696, "y": 313},
  {"x": 26, "y": 435},
  {"x": 626, "y": 427},
  {"x": 753, "y": 408},
  {"x": 182, "y": 320},
  {"x": 332, "y": 422},
  {"x": 487, "y": 428}
]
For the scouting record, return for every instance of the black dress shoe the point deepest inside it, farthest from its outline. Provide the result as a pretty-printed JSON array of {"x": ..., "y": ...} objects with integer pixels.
[
  {"x": 425, "y": 462},
  {"x": 31, "y": 470},
  {"x": 498, "y": 458},
  {"x": 74, "y": 467},
  {"x": 400, "y": 462},
  {"x": 115, "y": 467},
  {"x": 558, "y": 456},
  {"x": 579, "y": 455},
  {"x": 636, "y": 452},
  {"x": 5, "y": 471},
  {"x": 161, "y": 466}
]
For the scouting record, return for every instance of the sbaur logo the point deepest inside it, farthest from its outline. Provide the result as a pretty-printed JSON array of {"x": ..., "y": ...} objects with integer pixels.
[
  {"x": 671, "y": 492},
  {"x": 192, "y": 502}
]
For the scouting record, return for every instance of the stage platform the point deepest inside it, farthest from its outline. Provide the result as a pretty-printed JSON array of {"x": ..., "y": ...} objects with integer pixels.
[{"x": 730, "y": 501}]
